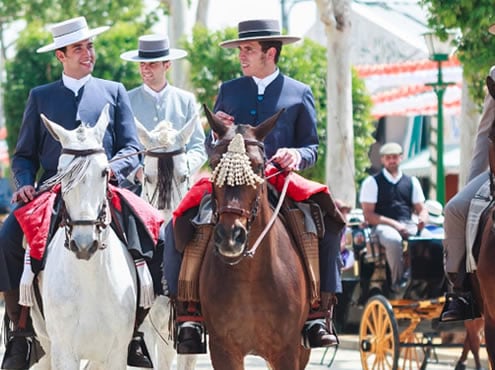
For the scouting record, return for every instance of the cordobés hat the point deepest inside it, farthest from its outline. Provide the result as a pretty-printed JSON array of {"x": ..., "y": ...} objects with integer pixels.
[
  {"x": 69, "y": 32},
  {"x": 435, "y": 211},
  {"x": 259, "y": 30},
  {"x": 390, "y": 148},
  {"x": 153, "y": 48}
]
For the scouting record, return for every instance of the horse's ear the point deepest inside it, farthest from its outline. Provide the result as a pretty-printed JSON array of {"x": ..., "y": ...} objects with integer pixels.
[
  {"x": 215, "y": 123},
  {"x": 143, "y": 133},
  {"x": 187, "y": 131},
  {"x": 102, "y": 123},
  {"x": 490, "y": 84},
  {"x": 58, "y": 132},
  {"x": 267, "y": 125}
]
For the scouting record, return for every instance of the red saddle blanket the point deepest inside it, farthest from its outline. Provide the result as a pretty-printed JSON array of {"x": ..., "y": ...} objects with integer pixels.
[
  {"x": 299, "y": 189},
  {"x": 35, "y": 216}
]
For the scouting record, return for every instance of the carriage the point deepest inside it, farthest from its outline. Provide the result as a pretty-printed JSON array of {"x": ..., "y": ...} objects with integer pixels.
[{"x": 397, "y": 329}]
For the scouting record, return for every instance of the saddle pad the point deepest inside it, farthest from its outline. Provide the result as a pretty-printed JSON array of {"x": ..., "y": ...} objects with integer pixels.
[{"x": 478, "y": 204}]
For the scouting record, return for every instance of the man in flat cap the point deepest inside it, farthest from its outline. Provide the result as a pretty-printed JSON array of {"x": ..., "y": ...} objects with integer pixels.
[{"x": 388, "y": 200}]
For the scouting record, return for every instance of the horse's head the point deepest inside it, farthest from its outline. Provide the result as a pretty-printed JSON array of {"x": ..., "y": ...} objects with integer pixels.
[
  {"x": 83, "y": 174},
  {"x": 238, "y": 163},
  {"x": 165, "y": 162}
]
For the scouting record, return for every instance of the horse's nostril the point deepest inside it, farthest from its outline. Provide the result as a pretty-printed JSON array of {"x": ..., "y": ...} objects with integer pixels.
[
  {"x": 73, "y": 246},
  {"x": 239, "y": 235}
]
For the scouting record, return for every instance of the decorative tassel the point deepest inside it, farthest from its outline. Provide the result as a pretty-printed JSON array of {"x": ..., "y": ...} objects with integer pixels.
[
  {"x": 26, "y": 293},
  {"x": 146, "y": 292},
  {"x": 235, "y": 167}
]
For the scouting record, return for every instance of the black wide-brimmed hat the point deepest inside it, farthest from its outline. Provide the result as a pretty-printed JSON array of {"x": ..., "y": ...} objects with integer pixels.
[
  {"x": 259, "y": 30},
  {"x": 153, "y": 48}
]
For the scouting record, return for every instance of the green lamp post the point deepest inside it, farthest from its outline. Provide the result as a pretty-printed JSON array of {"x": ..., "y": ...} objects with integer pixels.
[{"x": 439, "y": 52}]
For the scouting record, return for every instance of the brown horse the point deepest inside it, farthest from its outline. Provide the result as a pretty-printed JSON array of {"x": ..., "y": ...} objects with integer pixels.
[
  {"x": 484, "y": 279},
  {"x": 253, "y": 304}
]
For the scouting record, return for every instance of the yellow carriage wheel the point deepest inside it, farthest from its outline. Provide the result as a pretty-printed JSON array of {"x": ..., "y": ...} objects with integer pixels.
[{"x": 378, "y": 336}]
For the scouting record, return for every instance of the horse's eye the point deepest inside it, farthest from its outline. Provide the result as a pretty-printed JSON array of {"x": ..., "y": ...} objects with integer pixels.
[{"x": 105, "y": 172}]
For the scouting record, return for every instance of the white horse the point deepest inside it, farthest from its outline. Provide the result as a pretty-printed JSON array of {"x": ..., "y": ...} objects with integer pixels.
[
  {"x": 89, "y": 281},
  {"x": 166, "y": 181}
]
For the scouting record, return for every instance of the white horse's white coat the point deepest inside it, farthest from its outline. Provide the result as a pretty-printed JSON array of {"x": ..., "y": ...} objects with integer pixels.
[
  {"x": 156, "y": 325},
  {"x": 89, "y": 304}
]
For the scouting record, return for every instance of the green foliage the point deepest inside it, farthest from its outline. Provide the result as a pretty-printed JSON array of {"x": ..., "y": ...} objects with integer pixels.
[
  {"x": 29, "y": 69},
  {"x": 26, "y": 70},
  {"x": 475, "y": 47},
  {"x": 211, "y": 64}
]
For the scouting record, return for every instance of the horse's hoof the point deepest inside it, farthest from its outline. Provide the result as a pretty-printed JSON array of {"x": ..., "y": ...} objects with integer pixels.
[
  {"x": 16, "y": 354},
  {"x": 189, "y": 340},
  {"x": 138, "y": 355},
  {"x": 460, "y": 366}
]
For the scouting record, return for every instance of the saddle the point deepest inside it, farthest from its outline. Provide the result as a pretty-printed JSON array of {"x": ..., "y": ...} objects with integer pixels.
[{"x": 306, "y": 222}]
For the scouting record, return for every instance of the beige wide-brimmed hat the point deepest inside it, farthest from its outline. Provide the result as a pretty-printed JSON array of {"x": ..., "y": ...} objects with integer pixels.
[
  {"x": 69, "y": 32},
  {"x": 259, "y": 30},
  {"x": 435, "y": 211},
  {"x": 390, "y": 148},
  {"x": 153, "y": 48},
  {"x": 491, "y": 29}
]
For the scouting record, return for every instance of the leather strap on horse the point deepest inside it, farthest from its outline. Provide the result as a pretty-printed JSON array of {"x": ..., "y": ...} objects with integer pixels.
[
  {"x": 308, "y": 245},
  {"x": 188, "y": 289}
]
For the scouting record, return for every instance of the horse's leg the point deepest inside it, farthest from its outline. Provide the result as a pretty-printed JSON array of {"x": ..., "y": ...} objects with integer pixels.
[
  {"x": 490, "y": 340},
  {"x": 186, "y": 362},
  {"x": 292, "y": 358},
  {"x": 473, "y": 333},
  {"x": 157, "y": 335},
  {"x": 62, "y": 359},
  {"x": 224, "y": 357}
]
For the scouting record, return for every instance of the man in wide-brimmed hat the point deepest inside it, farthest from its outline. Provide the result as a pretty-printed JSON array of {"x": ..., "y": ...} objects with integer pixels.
[
  {"x": 291, "y": 145},
  {"x": 156, "y": 100},
  {"x": 76, "y": 97}
]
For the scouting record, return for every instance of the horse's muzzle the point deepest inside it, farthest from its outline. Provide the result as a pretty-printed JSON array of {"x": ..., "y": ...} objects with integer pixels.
[
  {"x": 230, "y": 243},
  {"x": 83, "y": 252}
]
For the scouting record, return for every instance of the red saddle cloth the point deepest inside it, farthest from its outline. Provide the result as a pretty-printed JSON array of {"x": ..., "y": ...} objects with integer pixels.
[
  {"x": 299, "y": 189},
  {"x": 35, "y": 216}
]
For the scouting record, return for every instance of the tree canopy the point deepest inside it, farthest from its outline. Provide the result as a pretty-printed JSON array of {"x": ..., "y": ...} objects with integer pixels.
[{"x": 476, "y": 45}]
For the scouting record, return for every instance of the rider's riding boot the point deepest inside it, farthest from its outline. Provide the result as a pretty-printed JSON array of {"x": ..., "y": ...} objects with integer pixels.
[
  {"x": 138, "y": 355},
  {"x": 319, "y": 330},
  {"x": 190, "y": 332},
  {"x": 457, "y": 305},
  {"x": 16, "y": 355}
]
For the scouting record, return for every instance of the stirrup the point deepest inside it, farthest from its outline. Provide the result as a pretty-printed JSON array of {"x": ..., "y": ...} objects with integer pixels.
[
  {"x": 314, "y": 328},
  {"x": 190, "y": 338}
]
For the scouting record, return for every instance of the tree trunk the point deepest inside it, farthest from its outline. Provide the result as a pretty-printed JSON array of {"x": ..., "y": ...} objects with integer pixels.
[
  {"x": 470, "y": 119},
  {"x": 176, "y": 29},
  {"x": 340, "y": 168},
  {"x": 202, "y": 12}
]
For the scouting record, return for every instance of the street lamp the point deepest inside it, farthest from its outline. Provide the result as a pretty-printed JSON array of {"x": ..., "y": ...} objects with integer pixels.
[{"x": 439, "y": 52}]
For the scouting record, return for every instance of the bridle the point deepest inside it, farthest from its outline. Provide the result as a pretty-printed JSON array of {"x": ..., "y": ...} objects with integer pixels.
[
  {"x": 104, "y": 216},
  {"x": 251, "y": 214},
  {"x": 161, "y": 155}
]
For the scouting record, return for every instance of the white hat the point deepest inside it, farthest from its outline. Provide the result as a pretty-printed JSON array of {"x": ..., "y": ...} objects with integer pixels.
[
  {"x": 435, "y": 211},
  {"x": 390, "y": 148},
  {"x": 153, "y": 48},
  {"x": 69, "y": 32},
  {"x": 259, "y": 30}
]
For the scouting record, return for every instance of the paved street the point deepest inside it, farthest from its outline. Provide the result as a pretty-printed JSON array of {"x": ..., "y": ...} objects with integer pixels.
[{"x": 347, "y": 357}]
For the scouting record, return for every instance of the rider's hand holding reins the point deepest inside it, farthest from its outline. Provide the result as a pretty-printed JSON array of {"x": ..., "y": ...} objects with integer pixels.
[
  {"x": 287, "y": 158},
  {"x": 24, "y": 194}
]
